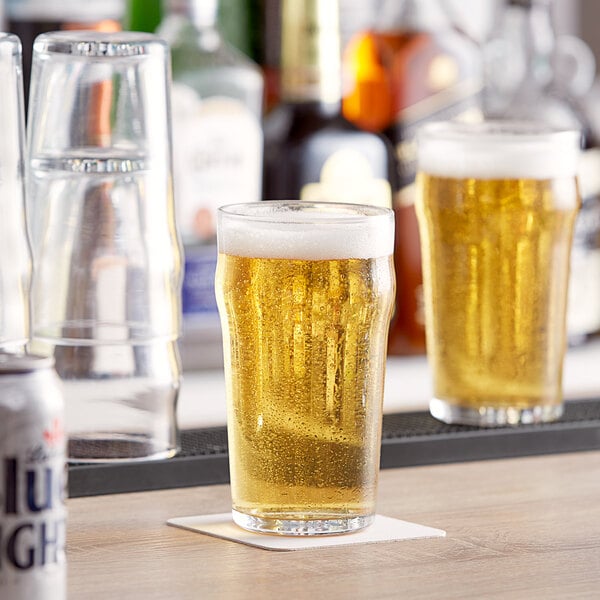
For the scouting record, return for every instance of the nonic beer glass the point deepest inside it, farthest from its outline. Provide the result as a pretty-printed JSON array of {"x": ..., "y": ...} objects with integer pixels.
[
  {"x": 496, "y": 206},
  {"x": 305, "y": 292}
]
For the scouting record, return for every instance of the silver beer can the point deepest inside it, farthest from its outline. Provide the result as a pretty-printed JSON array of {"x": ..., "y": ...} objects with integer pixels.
[{"x": 32, "y": 480}]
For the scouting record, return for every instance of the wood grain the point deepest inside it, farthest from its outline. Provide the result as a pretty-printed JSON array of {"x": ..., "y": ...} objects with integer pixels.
[{"x": 516, "y": 528}]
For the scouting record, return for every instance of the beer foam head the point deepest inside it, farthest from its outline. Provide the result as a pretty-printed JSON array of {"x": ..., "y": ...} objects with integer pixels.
[
  {"x": 305, "y": 230},
  {"x": 498, "y": 150}
]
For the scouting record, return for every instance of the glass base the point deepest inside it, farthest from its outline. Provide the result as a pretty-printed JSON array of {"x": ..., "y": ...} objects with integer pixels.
[
  {"x": 324, "y": 526},
  {"x": 95, "y": 448},
  {"x": 493, "y": 416}
]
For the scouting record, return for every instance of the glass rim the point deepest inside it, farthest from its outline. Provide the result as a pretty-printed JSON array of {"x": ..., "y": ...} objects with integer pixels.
[
  {"x": 12, "y": 42},
  {"x": 497, "y": 131},
  {"x": 274, "y": 211}
]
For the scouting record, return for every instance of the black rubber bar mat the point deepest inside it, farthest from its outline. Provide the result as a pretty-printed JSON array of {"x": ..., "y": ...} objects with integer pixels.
[{"x": 408, "y": 439}]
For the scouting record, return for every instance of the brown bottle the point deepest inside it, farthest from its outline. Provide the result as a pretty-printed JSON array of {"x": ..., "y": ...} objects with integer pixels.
[{"x": 415, "y": 68}]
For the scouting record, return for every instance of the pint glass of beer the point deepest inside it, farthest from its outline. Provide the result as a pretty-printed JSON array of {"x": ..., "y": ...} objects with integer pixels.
[
  {"x": 305, "y": 293},
  {"x": 496, "y": 206}
]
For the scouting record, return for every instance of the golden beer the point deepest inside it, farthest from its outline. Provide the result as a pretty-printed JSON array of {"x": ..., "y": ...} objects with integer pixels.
[
  {"x": 496, "y": 253},
  {"x": 305, "y": 333}
]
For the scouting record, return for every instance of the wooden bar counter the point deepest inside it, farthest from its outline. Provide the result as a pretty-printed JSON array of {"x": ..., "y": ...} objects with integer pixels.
[{"x": 516, "y": 528}]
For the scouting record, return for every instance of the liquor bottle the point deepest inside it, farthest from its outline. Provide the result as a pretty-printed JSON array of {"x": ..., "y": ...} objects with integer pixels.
[
  {"x": 269, "y": 51},
  {"x": 311, "y": 151},
  {"x": 527, "y": 79},
  {"x": 368, "y": 100},
  {"x": 29, "y": 18},
  {"x": 217, "y": 99},
  {"x": 239, "y": 23},
  {"x": 411, "y": 67},
  {"x": 143, "y": 15}
]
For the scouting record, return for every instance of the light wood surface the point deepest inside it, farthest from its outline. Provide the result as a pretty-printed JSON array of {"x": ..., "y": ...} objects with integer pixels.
[{"x": 518, "y": 528}]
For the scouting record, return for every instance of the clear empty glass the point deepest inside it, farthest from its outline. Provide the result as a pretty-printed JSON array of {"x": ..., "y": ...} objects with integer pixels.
[
  {"x": 107, "y": 260},
  {"x": 15, "y": 260}
]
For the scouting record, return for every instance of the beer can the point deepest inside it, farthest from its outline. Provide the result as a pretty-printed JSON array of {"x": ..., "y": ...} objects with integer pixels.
[{"x": 32, "y": 480}]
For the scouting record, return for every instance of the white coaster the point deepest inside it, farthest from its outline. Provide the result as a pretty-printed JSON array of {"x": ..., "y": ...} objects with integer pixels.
[{"x": 383, "y": 529}]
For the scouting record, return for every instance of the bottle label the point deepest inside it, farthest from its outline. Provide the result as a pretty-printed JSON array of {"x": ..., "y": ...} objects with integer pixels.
[
  {"x": 347, "y": 176},
  {"x": 198, "y": 289},
  {"x": 217, "y": 155},
  {"x": 310, "y": 51}
]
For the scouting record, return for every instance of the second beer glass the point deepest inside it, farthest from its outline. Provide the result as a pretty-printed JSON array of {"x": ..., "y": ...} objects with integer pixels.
[
  {"x": 305, "y": 293},
  {"x": 496, "y": 206}
]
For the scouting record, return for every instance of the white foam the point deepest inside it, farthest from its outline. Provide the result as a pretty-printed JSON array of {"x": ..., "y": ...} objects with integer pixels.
[
  {"x": 336, "y": 232},
  {"x": 506, "y": 151}
]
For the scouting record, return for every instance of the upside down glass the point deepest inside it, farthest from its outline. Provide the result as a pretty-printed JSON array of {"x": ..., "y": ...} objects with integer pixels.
[
  {"x": 496, "y": 206},
  {"x": 106, "y": 255},
  {"x": 305, "y": 293}
]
